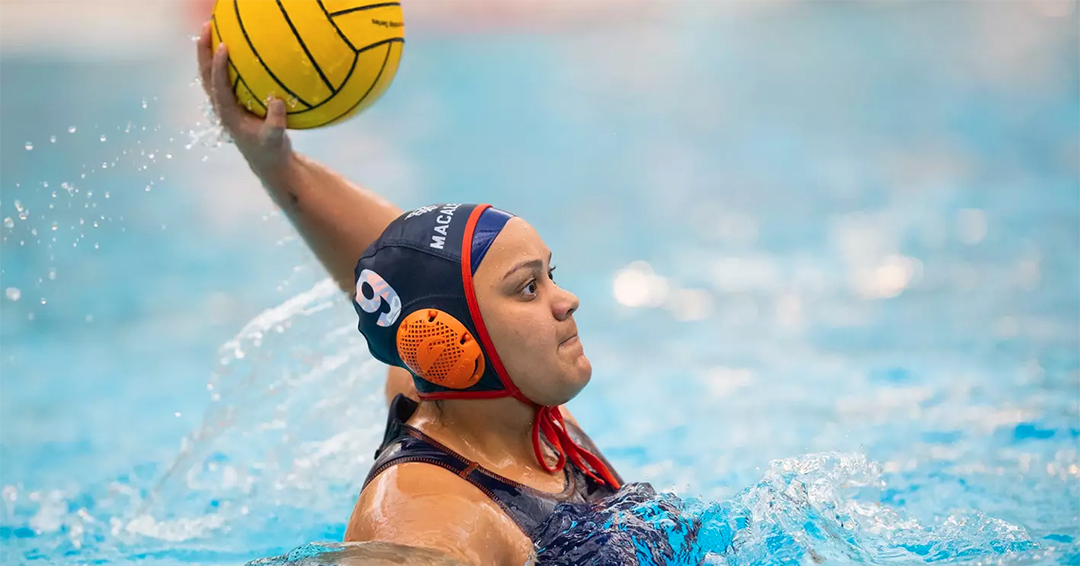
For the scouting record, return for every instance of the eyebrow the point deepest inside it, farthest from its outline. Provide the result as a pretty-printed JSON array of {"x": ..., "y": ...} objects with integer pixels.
[{"x": 530, "y": 263}]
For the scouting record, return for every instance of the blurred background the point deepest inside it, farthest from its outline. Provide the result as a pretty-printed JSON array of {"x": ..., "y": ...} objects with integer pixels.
[{"x": 839, "y": 238}]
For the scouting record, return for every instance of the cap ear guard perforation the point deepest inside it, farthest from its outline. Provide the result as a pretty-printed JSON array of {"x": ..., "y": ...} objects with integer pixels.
[{"x": 439, "y": 349}]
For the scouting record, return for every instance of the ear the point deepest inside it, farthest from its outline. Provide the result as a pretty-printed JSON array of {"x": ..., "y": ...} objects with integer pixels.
[{"x": 439, "y": 349}]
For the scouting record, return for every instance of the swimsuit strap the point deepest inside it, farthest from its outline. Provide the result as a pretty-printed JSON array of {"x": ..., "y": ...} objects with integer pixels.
[{"x": 528, "y": 507}]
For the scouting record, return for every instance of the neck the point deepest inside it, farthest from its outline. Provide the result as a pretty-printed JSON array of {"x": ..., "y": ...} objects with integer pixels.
[{"x": 496, "y": 428}]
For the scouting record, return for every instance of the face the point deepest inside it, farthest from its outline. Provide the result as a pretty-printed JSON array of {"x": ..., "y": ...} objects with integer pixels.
[{"x": 529, "y": 318}]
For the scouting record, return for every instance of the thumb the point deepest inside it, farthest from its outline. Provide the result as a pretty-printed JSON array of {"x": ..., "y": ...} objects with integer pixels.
[{"x": 275, "y": 123}]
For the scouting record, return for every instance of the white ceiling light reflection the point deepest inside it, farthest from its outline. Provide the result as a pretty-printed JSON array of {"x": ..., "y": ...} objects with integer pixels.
[
  {"x": 637, "y": 286},
  {"x": 971, "y": 225},
  {"x": 721, "y": 381},
  {"x": 690, "y": 304},
  {"x": 737, "y": 274},
  {"x": 789, "y": 311},
  {"x": 888, "y": 279}
]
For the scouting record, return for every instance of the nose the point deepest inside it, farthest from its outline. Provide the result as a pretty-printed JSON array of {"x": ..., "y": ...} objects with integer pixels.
[{"x": 565, "y": 304}]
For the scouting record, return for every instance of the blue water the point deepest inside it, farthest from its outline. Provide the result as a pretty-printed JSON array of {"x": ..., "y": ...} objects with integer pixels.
[{"x": 828, "y": 257}]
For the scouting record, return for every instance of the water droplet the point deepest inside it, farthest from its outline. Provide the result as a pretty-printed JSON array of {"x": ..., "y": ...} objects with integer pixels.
[
  {"x": 168, "y": 156},
  {"x": 104, "y": 165},
  {"x": 71, "y": 129},
  {"x": 9, "y": 223},
  {"x": 13, "y": 293},
  {"x": 102, "y": 138},
  {"x": 151, "y": 156},
  {"x": 95, "y": 224},
  {"x": 205, "y": 158},
  {"x": 54, "y": 226},
  {"x": 43, "y": 300},
  {"x": 106, "y": 194},
  {"x": 29, "y": 146},
  {"x": 52, "y": 274},
  {"x": 45, "y": 184},
  {"x": 144, "y": 103},
  {"x": 147, "y": 188},
  {"x": 52, "y": 139},
  {"x": 18, "y": 206},
  {"x": 96, "y": 246},
  {"x": 33, "y": 231}
]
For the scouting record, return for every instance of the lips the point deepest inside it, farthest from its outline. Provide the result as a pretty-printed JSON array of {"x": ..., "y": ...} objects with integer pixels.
[{"x": 568, "y": 340}]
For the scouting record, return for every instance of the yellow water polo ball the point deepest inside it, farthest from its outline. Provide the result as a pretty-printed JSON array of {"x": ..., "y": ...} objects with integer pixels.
[{"x": 327, "y": 59}]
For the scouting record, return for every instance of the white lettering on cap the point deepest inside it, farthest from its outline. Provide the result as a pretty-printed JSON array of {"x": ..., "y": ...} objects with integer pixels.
[{"x": 442, "y": 224}]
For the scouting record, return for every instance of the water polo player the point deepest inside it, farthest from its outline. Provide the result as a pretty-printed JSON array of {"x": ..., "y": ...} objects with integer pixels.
[{"x": 460, "y": 301}]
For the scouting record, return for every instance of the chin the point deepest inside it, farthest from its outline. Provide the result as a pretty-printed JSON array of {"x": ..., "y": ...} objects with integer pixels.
[{"x": 578, "y": 376}]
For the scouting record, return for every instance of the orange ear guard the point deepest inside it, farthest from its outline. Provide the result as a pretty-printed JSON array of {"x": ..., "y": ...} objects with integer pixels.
[{"x": 438, "y": 348}]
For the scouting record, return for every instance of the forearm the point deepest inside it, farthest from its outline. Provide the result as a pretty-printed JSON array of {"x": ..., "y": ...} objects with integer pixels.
[{"x": 337, "y": 218}]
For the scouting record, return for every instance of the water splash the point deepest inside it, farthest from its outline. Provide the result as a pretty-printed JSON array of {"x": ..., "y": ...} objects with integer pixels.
[
  {"x": 265, "y": 382},
  {"x": 811, "y": 509}
]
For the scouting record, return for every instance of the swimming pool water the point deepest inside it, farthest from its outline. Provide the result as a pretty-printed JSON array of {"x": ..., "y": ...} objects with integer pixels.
[{"x": 828, "y": 259}]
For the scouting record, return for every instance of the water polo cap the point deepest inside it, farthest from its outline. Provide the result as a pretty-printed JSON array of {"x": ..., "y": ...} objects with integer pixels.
[{"x": 417, "y": 307}]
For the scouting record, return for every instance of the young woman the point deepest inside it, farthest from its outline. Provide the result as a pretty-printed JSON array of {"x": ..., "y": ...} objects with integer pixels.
[{"x": 459, "y": 300}]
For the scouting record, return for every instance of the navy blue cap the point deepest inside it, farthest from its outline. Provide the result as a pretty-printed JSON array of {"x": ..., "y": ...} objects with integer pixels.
[{"x": 416, "y": 264}]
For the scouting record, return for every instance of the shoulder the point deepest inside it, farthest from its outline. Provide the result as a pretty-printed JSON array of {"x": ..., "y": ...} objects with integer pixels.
[{"x": 425, "y": 505}]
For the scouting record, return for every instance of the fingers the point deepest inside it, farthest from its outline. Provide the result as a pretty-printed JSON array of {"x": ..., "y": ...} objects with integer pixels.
[
  {"x": 221, "y": 91},
  {"x": 276, "y": 120},
  {"x": 205, "y": 54}
]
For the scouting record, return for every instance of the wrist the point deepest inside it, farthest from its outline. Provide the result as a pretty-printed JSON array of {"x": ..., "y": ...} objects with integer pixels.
[
  {"x": 280, "y": 175},
  {"x": 276, "y": 167}
]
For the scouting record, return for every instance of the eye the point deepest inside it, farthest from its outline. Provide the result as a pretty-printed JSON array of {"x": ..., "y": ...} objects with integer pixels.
[
  {"x": 551, "y": 273},
  {"x": 530, "y": 288}
]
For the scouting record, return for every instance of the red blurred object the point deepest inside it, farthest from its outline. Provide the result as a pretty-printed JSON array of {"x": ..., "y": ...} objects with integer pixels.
[{"x": 199, "y": 11}]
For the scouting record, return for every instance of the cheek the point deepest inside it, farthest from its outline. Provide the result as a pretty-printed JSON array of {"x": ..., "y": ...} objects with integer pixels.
[{"x": 521, "y": 339}]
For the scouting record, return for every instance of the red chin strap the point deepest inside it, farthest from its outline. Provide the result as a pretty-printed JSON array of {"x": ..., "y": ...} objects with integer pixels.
[{"x": 549, "y": 420}]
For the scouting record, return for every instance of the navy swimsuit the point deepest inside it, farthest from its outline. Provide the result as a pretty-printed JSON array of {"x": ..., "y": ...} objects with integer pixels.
[{"x": 528, "y": 507}]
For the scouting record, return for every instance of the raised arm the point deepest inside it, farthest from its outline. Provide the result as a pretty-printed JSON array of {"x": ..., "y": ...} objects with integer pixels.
[{"x": 337, "y": 218}]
